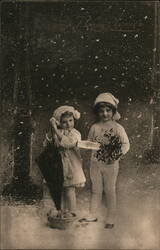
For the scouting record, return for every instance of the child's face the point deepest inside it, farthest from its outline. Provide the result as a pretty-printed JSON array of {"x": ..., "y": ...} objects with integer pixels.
[
  {"x": 67, "y": 122},
  {"x": 105, "y": 114}
]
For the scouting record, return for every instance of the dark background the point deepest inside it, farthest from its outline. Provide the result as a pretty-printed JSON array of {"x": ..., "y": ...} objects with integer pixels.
[{"x": 76, "y": 50}]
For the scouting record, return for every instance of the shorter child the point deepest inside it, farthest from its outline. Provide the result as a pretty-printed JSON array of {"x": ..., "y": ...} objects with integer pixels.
[
  {"x": 104, "y": 173},
  {"x": 66, "y": 137}
]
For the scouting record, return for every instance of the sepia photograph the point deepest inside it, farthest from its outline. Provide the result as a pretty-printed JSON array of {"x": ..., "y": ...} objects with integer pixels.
[{"x": 80, "y": 124}]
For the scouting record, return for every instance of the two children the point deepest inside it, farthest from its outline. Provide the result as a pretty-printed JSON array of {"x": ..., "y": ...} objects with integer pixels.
[{"x": 103, "y": 175}]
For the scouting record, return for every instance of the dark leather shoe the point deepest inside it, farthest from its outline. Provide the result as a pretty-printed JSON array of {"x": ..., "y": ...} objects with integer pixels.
[{"x": 109, "y": 226}]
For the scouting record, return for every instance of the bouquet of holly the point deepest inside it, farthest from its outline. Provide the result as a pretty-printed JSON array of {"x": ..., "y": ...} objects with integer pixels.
[{"x": 110, "y": 148}]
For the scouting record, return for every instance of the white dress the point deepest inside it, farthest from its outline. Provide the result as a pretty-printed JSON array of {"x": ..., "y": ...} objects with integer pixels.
[{"x": 71, "y": 158}]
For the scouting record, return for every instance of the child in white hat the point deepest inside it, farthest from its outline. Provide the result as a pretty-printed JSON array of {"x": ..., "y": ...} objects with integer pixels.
[
  {"x": 66, "y": 138},
  {"x": 104, "y": 175}
]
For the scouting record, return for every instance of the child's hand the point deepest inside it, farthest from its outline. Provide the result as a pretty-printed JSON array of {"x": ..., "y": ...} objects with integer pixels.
[{"x": 53, "y": 122}]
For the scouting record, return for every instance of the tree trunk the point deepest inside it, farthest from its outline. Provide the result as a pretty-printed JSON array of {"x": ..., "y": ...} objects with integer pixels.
[{"x": 22, "y": 187}]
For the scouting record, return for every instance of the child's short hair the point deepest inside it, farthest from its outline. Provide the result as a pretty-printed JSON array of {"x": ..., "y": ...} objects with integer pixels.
[{"x": 103, "y": 105}]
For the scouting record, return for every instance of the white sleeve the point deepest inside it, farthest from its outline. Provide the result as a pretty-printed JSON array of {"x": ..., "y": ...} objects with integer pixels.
[{"x": 124, "y": 139}]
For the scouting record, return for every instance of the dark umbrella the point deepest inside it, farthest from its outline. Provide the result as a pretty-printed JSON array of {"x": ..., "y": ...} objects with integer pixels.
[{"x": 50, "y": 164}]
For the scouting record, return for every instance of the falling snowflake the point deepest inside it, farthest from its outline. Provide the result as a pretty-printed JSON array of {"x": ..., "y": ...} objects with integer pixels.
[
  {"x": 124, "y": 35},
  {"x": 96, "y": 57},
  {"x": 53, "y": 74},
  {"x": 82, "y": 8},
  {"x": 156, "y": 127},
  {"x": 105, "y": 67},
  {"x": 136, "y": 36},
  {"x": 97, "y": 40},
  {"x": 82, "y": 37},
  {"x": 145, "y": 17},
  {"x": 139, "y": 116},
  {"x": 96, "y": 86},
  {"x": 95, "y": 69},
  {"x": 54, "y": 42},
  {"x": 62, "y": 76}
]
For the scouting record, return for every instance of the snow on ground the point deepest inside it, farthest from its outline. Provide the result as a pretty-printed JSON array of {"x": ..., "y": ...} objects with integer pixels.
[{"x": 137, "y": 223}]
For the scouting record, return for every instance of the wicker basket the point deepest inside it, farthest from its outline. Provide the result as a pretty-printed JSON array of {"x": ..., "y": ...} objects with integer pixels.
[{"x": 60, "y": 223}]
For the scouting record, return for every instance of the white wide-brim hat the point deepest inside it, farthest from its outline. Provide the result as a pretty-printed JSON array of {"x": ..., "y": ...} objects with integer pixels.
[
  {"x": 62, "y": 109},
  {"x": 109, "y": 98}
]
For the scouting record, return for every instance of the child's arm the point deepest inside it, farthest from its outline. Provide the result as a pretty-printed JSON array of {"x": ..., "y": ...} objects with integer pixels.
[
  {"x": 55, "y": 129},
  {"x": 124, "y": 139},
  {"x": 66, "y": 141}
]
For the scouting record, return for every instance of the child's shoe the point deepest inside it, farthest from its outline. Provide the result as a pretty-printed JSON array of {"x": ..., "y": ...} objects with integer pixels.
[
  {"x": 109, "y": 226},
  {"x": 88, "y": 219}
]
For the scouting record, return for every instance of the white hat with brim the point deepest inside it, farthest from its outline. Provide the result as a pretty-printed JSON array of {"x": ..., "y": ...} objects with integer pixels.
[
  {"x": 63, "y": 109},
  {"x": 109, "y": 98}
]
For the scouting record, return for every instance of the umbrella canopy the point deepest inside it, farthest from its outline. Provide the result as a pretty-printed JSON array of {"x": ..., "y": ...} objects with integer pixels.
[{"x": 50, "y": 164}]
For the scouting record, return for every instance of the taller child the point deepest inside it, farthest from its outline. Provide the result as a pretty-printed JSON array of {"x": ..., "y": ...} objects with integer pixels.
[{"x": 104, "y": 175}]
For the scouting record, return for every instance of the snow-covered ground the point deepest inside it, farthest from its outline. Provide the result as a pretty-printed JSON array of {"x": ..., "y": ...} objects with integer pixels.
[{"x": 137, "y": 223}]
